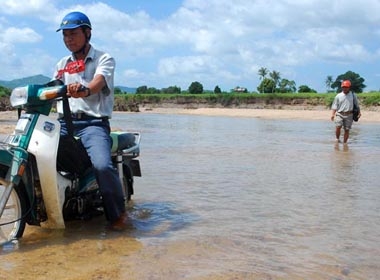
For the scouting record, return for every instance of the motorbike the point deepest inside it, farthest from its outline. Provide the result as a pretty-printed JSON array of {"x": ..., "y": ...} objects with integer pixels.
[{"x": 47, "y": 179}]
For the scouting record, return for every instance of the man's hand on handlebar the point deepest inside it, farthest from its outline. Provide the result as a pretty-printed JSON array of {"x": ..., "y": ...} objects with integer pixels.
[{"x": 77, "y": 90}]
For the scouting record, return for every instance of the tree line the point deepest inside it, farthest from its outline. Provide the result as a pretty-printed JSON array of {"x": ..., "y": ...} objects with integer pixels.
[{"x": 271, "y": 82}]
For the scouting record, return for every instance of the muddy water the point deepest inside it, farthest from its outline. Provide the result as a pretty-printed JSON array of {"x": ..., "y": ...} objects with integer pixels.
[{"x": 227, "y": 198}]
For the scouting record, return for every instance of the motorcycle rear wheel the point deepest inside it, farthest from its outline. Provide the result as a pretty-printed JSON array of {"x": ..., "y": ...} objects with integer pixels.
[{"x": 12, "y": 222}]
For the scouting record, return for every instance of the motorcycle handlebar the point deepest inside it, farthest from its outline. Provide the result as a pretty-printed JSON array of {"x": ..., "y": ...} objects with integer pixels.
[
  {"x": 56, "y": 89},
  {"x": 55, "y": 92}
]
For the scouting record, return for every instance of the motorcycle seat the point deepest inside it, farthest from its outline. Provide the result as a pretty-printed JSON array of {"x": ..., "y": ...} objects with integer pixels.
[{"x": 122, "y": 140}]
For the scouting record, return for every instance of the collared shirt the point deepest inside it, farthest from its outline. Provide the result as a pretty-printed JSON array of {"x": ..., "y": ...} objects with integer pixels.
[
  {"x": 344, "y": 102},
  {"x": 97, "y": 104}
]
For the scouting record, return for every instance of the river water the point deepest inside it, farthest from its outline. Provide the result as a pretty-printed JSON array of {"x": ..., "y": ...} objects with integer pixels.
[{"x": 227, "y": 198}]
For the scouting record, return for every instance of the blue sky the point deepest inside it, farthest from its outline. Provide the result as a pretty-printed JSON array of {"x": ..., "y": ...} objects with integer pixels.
[{"x": 215, "y": 42}]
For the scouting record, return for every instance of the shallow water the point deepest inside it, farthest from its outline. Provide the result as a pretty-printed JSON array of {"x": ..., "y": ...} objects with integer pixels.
[{"x": 227, "y": 198}]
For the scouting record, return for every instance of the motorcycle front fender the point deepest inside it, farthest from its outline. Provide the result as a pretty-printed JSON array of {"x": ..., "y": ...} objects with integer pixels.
[
  {"x": 7, "y": 159},
  {"x": 44, "y": 145}
]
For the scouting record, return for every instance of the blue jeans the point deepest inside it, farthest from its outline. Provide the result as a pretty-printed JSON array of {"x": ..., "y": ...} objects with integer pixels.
[{"x": 95, "y": 136}]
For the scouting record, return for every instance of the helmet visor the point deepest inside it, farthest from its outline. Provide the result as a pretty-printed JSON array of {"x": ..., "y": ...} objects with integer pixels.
[{"x": 72, "y": 24}]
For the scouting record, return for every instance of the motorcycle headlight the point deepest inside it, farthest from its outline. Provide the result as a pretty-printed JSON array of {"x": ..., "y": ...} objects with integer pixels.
[{"x": 19, "y": 96}]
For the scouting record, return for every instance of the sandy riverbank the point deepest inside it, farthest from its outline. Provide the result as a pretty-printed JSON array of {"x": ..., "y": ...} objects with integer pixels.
[{"x": 367, "y": 116}]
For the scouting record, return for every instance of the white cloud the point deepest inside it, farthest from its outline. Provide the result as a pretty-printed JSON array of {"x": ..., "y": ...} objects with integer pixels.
[
  {"x": 174, "y": 65},
  {"x": 20, "y": 35},
  {"x": 27, "y": 7},
  {"x": 12, "y": 62}
]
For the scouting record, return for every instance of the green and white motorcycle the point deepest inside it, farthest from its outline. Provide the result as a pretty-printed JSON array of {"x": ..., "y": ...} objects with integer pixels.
[{"x": 46, "y": 179}]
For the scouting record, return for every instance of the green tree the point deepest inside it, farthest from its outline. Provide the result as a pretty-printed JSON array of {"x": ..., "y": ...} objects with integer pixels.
[
  {"x": 117, "y": 91},
  {"x": 217, "y": 89},
  {"x": 153, "y": 90},
  {"x": 304, "y": 88},
  {"x": 357, "y": 82},
  {"x": 171, "y": 90},
  {"x": 142, "y": 90},
  {"x": 266, "y": 86},
  {"x": 196, "y": 88},
  {"x": 276, "y": 77},
  {"x": 328, "y": 82},
  {"x": 263, "y": 72},
  {"x": 146, "y": 90},
  {"x": 287, "y": 86},
  {"x": 5, "y": 91}
]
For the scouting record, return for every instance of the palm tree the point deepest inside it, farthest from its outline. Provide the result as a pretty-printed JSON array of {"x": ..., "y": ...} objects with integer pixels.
[
  {"x": 329, "y": 81},
  {"x": 263, "y": 72},
  {"x": 276, "y": 77},
  {"x": 287, "y": 86}
]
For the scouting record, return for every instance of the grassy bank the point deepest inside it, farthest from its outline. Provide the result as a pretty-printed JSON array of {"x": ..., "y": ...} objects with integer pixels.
[
  {"x": 132, "y": 102},
  {"x": 244, "y": 100}
]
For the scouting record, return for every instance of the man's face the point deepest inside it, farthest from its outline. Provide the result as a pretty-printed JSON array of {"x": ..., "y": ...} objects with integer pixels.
[
  {"x": 74, "y": 39},
  {"x": 346, "y": 90}
]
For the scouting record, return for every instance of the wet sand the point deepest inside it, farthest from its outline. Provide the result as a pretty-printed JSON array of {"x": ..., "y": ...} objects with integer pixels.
[{"x": 84, "y": 250}]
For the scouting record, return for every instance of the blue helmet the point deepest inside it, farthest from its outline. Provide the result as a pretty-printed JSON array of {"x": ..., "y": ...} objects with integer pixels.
[{"x": 73, "y": 20}]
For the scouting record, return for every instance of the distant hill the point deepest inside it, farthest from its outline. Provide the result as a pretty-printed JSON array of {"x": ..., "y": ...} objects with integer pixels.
[
  {"x": 41, "y": 79},
  {"x": 37, "y": 79},
  {"x": 126, "y": 89}
]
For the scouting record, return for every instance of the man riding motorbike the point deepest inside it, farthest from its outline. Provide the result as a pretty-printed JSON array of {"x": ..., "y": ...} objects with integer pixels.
[{"x": 91, "y": 104}]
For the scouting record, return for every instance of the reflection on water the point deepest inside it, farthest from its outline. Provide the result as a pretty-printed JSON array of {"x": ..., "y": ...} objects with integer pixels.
[{"x": 234, "y": 198}]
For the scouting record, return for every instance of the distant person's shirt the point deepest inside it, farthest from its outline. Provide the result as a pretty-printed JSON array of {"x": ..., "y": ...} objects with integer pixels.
[{"x": 343, "y": 102}]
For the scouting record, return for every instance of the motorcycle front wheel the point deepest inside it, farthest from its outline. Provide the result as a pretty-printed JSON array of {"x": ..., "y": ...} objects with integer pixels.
[{"x": 12, "y": 222}]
